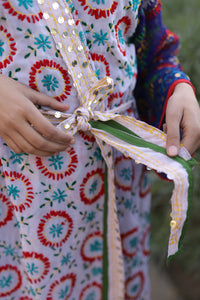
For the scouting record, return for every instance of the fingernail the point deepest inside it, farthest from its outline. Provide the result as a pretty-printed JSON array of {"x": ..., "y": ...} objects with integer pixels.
[{"x": 172, "y": 151}]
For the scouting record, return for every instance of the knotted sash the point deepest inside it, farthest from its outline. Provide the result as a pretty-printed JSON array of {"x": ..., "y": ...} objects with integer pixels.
[{"x": 140, "y": 141}]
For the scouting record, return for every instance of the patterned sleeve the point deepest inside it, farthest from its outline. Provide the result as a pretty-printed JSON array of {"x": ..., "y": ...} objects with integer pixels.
[{"x": 159, "y": 70}]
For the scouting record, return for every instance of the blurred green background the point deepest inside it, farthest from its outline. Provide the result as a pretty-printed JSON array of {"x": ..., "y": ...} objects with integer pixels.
[{"x": 183, "y": 18}]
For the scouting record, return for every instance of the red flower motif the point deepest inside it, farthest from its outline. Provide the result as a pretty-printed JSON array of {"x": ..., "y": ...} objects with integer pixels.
[
  {"x": 45, "y": 63},
  {"x": 101, "y": 59},
  {"x": 138, "y": 276},
  {"x": 124, "y": 236},
  {"x": 31, "y": 18},
  {"x": 56, "y": 175},
  {"x": 145, "y": 238},
  {"x": 91, "y": 286},
  {"x": 71, "y": 277},
  {"x": 127, "y": 22},
  {"x": 155, "y": 11},
  {"x": 143, "y": 185},
  {"x": 42, "y": 226},
  {"x": 11, "y": 45},
  {"x": 84, "y": 248},
  {"x": 85, "y": 197},
  {"x": 87, "y": 136},
  {"x": 97, "y": 12},
  {"x": 9, "y": 210},
  {"x": 25, "y": 298},
  {"x": 115, "y": 97},
  {"x": 11, "y": 270},
  {"x": 12, "y": 176},
  {"x": 45, "y": 263}
]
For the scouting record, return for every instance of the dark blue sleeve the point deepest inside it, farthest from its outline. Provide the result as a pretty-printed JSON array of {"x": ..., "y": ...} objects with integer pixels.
[{"x": 158, "y": 67}]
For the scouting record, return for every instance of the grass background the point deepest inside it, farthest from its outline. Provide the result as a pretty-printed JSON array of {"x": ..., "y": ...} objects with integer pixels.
[{"x": 183, "y": 18}]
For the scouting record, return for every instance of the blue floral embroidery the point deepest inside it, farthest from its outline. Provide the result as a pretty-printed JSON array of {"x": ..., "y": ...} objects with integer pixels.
[
  {"x": 63, "y": 293},
  {"x": 97, "y": 154},
  {"x": 25, "y": 3},
  {"x": 1, "y": 48},
  {"x": 42, "y": 42},
  {"x": 31, "y": 268},
  {"x": 16, "y": 157},
  {"x": 126, "y": 173},
  {"x": 129, "y": 72},
  {"x": 100, "y": 38},
  {"x": 91, "y": 296},
  {"x": 120, "y": 37},
  {"x": 13, "y": 191},
  {"x": 5, "y": 281},
  {"x": 93, "y": 187},
  {"x": 90, "y": 217},
  {"x": 56, "y": 161},
  {"x": 134, "y": 288},
  {"x": 133, "y": 242},
  {"x": 59, "y": 195},
  {"x": 66, "y": 259},
  {"x": 96, "y": 271},
  {"x": 97, "y": 72},
  {"x": 135, "y": 4},
  {"x": 99, "y": 1},
  {"x": 56, "y": 230},
  {"x": 9, "y": 250},
  {"x": 96, "y": 246},
  {"x": 50, "y": 82}
]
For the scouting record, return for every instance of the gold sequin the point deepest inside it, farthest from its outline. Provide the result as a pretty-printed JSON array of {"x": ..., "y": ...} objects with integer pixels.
[
  {"x": 177, "y": 75},
  {"x": 58, "y": 46},
  {"x": 80, "y": 48},
  {"x": 46, "y": 16},
  {"x": 173, "y": 224},
  {"x": 53, "y": 31},
  {"x": 65, "y": 34},
  {"x": 85, "y": 64},
  {"x": 71, "y": 22},
  {"x": 70, "y": 48},
  {"x": 74, "y": 63},
  {"x": 55, "y": 5},
  {"x": 80, "y": 75},
  {"x": 41, "y": 1},
  {"x": 75, "y": 31},
  {"x": 61, "y": 20},
  {"x": 57, "y": 114},
  {"x": 68, "y": 10},
  {"x": 67, "y": 126}
]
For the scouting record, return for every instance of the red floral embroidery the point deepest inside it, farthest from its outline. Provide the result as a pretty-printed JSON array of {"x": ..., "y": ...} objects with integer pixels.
[
  {"x": 31, "y": 18},
  {"x": 91, "y": 286},
  {"x": 56, "y": 175},
  {"x": 145, "y": 238},
  {"x": 127, "y": 250},
  {"x": 86, "y": 254},
  {"x": 138, "y": 276},
  {"x": 9, "y": 269},
  {"x": 45, "y": 263},
  {"x": 127, "y": 22},
  {"x": 11, "y": 45},
  {"x": 115, "y": 97},
  {"x": 45, "y": 63},
  {"x": 12, "y": 176},
  {"x": 155, "y": 11},
  {"x": 86, "y": 197},
  {"x": 97, "y": 12},
  {"x": 42, "y": 227},
  {"x": 25, "y": 298},
  {"x": 144, "y": 186},
  {"x": 9, "y": 210},
  {"x": 87, "y": 136},
  {"x": 71, "y": 277},
  {"x": 101, "y": 59}
]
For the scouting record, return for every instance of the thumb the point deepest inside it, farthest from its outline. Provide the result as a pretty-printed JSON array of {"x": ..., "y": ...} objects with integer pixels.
[{"x": 41, "y": 99}]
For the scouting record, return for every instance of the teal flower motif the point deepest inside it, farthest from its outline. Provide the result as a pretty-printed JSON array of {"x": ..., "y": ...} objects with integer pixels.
[
  {"x": 9, "y": 251},
  {"x": 5, "y": 281},
  {"x": 128, "y": 203},
  {"x": 96, "y": 246},
  {"x": 56, "y": 161},
  {"x": 42, "y": 42},
  {"x": 25, "y": 3},
  {"x": 66, "y": 259},
  {"x": 93, "y": 187},
  {"x": 1, "y": 48},
  {"x": 97, "y": 72},
  {"x": 91, "y": 296},
  {"x": 120, "y": 37},
  {"x": 59, "y": 195},
  {"x": 129, "y": 72},
  {"x": 134, "y": 288},
  {"x": 56, "y": 230},
  {"x": 90, "y": 217},
  {"x": 96, "y": 271},
  {"x": 126, "y": 173},
  {"x": 63, "y": 293},
  {"x": 13, "y": 191},
  {"x": 133, "y": 242},
  {"x": 100, "y": 38},
  {"x": 31, "y": 268},
  {"x": 99, "y": 1},
  {"x": 97, "y": 154},
  {"x": 16, "y": 157},
  {"x": 50, "y": 82},
  {"x": 135, "y": 4}
]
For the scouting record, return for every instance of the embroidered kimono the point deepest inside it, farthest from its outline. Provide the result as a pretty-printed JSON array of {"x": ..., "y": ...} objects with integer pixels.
[{"x": 52, "y": 209}]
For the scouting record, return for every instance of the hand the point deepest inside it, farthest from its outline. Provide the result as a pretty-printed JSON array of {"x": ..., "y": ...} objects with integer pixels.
[
  {"x": 183, "y": 113},
  {"x": 19, "y": 116}
]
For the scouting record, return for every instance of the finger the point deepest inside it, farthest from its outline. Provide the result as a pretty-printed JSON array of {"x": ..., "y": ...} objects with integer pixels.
[
  {"x": 41, "y": 99},
  {"x": 39, "y": 142},
  {"x": 44, "y": 126},
  {"x": 11, "y": 144},
  {"x": 173, "y": 134}
]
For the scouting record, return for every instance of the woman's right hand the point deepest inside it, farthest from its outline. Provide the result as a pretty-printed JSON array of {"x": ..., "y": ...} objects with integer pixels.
[{"x": 19, "y": 116}]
